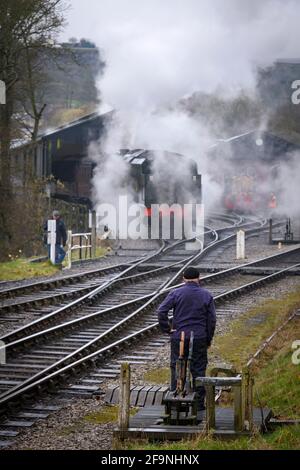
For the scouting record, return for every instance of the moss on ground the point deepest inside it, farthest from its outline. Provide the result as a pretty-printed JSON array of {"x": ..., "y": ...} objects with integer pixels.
[
  {"x": 159, "y": 376},
  {"x": 107, "y": 414}
]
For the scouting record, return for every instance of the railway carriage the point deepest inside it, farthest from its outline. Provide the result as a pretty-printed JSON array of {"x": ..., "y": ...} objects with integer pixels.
[{"x": 250, "y": 167}]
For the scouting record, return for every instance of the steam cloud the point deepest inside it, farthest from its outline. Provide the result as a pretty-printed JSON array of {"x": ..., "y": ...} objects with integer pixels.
[{"x": 158, "y": 52}]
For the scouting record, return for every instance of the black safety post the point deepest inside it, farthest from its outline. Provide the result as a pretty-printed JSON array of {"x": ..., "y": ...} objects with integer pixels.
[{"x": 270, "y": 231}]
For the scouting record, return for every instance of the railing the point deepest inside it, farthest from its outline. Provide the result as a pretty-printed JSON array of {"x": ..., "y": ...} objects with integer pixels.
[
  {"x": 81, "y": 242},
  {"x": 84, "y": 243}
]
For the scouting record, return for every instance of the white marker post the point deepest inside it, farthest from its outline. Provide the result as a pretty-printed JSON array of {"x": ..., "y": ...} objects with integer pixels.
[
  {"x": 2, "y": 353},
  {"x": 52, "y": 239},
  {"x": 240, "y": 245},
  {"x": 2, "y": 92}
]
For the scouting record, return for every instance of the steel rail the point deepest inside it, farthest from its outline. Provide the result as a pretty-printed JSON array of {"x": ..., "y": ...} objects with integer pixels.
[
  {"x": 91, "y": 273},
  {"x": 39, "y": 379},
  {"x": 26, "y": 331},
  {"x": 86, "y": 318}
]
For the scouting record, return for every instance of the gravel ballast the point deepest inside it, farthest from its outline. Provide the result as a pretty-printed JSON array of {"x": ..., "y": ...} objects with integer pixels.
[{"x": 68, "y": 428}]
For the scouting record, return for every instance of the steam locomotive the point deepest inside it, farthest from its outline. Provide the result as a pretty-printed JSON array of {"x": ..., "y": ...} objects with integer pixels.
[{"x": 162, "y": 177}]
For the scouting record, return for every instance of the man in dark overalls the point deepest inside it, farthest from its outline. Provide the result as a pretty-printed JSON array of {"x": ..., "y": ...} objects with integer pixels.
[{"x": 193, "y": 310}]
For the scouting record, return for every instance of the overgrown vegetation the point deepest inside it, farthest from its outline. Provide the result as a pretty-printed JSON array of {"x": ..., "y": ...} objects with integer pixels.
[
  {"x": 249, "y": 331},
  {"x": 278, "y": 379},
  {"x": 224, "y": 116}
]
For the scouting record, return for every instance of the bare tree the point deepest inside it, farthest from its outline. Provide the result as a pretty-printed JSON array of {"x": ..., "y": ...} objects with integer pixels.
[{"x": 26, "y": 26}]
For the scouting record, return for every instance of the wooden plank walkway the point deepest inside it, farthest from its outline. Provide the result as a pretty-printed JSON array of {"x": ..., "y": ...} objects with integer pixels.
[{"x": 148, "y": 424}]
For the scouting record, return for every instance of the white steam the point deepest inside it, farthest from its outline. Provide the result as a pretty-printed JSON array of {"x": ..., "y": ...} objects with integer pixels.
[
  {"x": 159, "y": 51},
  {"x": 287, "y": 186}
]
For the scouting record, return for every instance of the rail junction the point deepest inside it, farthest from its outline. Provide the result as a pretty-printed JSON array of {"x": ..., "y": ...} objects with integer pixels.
[{"x": 88, "y": 324}]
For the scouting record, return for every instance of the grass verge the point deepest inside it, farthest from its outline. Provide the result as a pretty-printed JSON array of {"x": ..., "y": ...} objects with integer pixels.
[
  {"x": 23, "y": 269},
  {"x": 248, "y": 332},
  {"x": 287, "y": 438}
]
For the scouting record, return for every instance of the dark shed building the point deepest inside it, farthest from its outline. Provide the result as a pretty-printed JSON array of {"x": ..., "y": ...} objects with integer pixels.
[
  {"x": 66, "y": 153},
  {"x": 63, "y": 154}
]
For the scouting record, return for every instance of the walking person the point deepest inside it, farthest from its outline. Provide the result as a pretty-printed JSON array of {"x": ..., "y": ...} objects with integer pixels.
[{"x": 193, "y": 310}]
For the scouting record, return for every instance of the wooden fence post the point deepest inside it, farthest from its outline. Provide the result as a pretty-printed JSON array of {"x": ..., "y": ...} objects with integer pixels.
[
  {"x": 210, "y": 407},
  {"x": 250, "y": 400},
  {"x": 124, "y": 399},
  {"x": 247, "y": 399},
  {"x": 238, "y": 418}
]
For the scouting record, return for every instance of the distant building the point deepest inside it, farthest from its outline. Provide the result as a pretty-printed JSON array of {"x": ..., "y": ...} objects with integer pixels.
[
  {"x": 71, "y": 76},
  {"x": 61, "y": 154},
  {"x": 275, "y": 82}
]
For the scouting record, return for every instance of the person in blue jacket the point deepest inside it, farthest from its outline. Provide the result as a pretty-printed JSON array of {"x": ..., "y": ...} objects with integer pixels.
[{"x": 193, "y": 310}]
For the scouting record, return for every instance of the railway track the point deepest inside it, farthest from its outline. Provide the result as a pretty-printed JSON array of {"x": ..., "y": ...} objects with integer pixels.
[
  {"x": 80, "y": 334},
  {"x": 23, "y": 304},
  {"x": 20, "y": 303},
  {"x": 29, "y": 293},
  {"x": 48, "y": 358},
  {"x": 169, "y": 258},
  {"x": 108, "y": 303},
  {"x": 124, "y": 331}
]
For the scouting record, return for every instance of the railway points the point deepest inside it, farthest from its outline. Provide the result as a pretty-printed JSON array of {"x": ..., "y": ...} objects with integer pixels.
[{"x": 77, "y": 354}]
